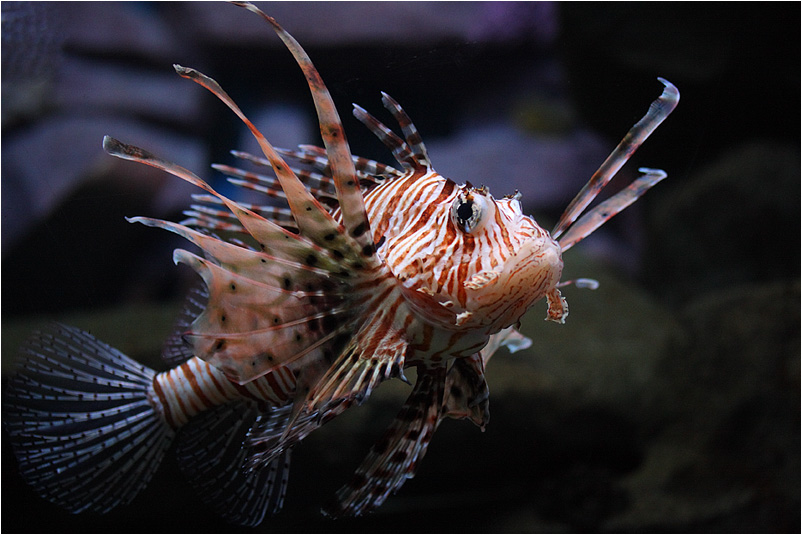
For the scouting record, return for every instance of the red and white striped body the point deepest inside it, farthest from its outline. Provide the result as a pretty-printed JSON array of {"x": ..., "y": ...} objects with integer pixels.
[
  {"x": 196, "y": 386},
  {"x": 456, "y": 288}
]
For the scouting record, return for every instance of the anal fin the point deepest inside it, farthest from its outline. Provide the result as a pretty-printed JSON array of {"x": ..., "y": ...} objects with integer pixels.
[{"x": 212, "y": 455}]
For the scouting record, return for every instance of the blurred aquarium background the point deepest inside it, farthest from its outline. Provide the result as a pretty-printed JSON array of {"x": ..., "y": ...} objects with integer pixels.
[{"x": 670, "y": 400}]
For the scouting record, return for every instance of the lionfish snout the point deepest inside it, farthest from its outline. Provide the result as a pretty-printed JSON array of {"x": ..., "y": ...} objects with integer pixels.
[
  {"x": 530, "y": 274},
  {"x": 521, "y": 264}
]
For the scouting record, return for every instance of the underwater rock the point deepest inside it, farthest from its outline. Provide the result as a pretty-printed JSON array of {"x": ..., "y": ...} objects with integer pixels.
[
  {"x": 135, "y": 30},
  {"x": 732, "y": 222},
  {"x": 44, "y": 164},
  {"x": 87, "y": 86},
  {"x": 72, "y": 74},
  {"x": 32, "y": 36},
  {"x": 725, "y": 456}
]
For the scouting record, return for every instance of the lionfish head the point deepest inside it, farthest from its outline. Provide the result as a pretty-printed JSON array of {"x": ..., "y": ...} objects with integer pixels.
[
  {"x": 478, "y": 256},
  {"x": 482, "y": 258}
]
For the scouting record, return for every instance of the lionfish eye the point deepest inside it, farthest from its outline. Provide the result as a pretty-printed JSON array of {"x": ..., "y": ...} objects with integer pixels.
[{"x": 466, "y": 212}]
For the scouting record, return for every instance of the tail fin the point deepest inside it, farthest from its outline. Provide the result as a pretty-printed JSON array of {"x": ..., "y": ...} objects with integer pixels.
[{"x": 82, "y": 427}]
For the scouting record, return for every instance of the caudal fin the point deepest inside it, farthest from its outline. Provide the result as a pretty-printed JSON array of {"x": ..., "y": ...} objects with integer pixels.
[{"x": 83, "y": 430}]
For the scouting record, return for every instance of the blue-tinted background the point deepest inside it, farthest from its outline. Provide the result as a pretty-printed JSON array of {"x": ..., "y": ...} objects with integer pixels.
[{"x": 669, "y": 401}]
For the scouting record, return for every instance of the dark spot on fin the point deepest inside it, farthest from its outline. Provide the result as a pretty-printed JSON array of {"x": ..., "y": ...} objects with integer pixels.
[{"x": 359, "y": 230}]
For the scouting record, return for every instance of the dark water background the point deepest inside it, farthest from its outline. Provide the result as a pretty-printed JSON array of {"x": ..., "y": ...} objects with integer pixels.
[{"x": 670, "y": 401}]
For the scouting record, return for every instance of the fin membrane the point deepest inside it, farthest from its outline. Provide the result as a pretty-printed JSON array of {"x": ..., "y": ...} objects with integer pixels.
[
  {"x": 175, "y": 350},
  {"x": 82, "y": 428},
  {"x": 212, "y": 456},
  {"x": 467, "y": 394}
]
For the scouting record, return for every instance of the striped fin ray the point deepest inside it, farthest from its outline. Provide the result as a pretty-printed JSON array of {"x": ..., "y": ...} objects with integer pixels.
[
  {"x": 81, "y": 424},
  {"x": 395, "y": 457},
  {"x": 319, "y": 181},
  {"x": 413, "y": 138},
  {"x": 211, "y": 454},
  {"x": 352, "y": 205},
  {"x": 366, "y": 169},
  {"x": 468, "y": 396},
  {"x": 265, "y": 310},
  {"x": 369, "y": 172},
  {"x": 368, "y": 357},
  {"x": 409, "y": 152},
  {"x": 401, "y": 151},
  {"x": 269, "y": 186},
  {"x": 243, "y": 331},
  {"x": 312, "y": 218},
  {"x": 601, "y": 213},
  {"x": 275, "y": 432},
  {"x": 250, "y": 328},
  {"x": 212, "y": 220},
  {"x": 374, "y": 353},
  {"x": 658, "y": 111},
  {"x": 175, "y": 350},
  {"x": 461, "y": 393},
  {"x": 210, "y": 217},
  {"x": 281, "y": 241}
]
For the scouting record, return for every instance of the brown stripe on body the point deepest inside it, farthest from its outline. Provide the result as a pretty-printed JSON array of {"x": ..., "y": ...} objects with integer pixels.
[
  {"x": 165, "y": 412},
  {"x": 196, "y": 388},
  {"x": 272, "y": 380},
  {"x": 381, "y": 327},
  {"x": 462, "y": 277},
  {"x": 407, "y": 189},
  {"x": 176, "y": 394},
  {"x": 505, "y": 236}
]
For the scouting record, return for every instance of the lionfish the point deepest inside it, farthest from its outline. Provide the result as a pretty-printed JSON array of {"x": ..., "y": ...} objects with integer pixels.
[{"x": 366, "y": 270}]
